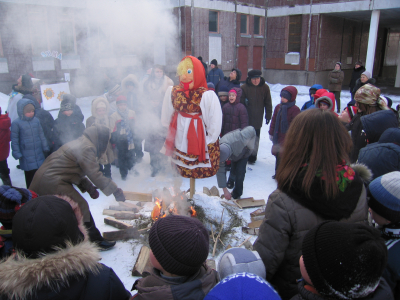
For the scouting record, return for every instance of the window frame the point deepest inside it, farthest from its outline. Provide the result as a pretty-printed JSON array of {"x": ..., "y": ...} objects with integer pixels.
[
  {"x": 259, "y": 26},
  {"x": 72, "y": 20},
  {"x": 247, "y": 24},
  {"x": 217, "y": 21},
  {"x": 34, "y": 16},
  {"x": 299, "y": 34}
]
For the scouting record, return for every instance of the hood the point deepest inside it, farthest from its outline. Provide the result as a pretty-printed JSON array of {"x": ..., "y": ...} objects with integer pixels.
[
  {"x": 239, "y": 94},
  {"x": 31, "y": 97},
  {"x": 239, "y": 74},
  {"x": 317, "y": 87},
  {"x": 238, "y": 139},
  {"x": 327, "y": 97},
  {"x": 96, "y": 102},
  {"x": 319, "y": 93},
  {"x": 376, "y": 123},
  {"x": 391, "y": 135},
  {"x": 99, "y": 135},
  {"x": 248, "y": 81},
  {"x": 132, "y": 78},
  {"x": 20, "y": 108},
  {"x": 292, "y": 90}
]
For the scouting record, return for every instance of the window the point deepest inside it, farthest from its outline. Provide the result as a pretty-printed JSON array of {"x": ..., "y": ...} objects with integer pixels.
[
  {"x": 67, "y": 37},
  {"x": 38, "y": 33},
  {"x": 257, "y": 27},
  {"x": 294, "y": 41},
  {"x": 243, "y": 24},
  {"x": 213, "y": 21}
]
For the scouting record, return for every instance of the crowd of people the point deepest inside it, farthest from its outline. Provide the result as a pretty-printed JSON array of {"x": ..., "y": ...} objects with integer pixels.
[{"x": 331, "y": 228}]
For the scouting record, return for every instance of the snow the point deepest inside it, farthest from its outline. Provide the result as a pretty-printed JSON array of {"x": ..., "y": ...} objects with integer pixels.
[{"x": 258, "y": 184}]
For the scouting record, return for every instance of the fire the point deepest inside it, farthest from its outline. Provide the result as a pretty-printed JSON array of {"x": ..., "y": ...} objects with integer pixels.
[
  {"x": 158, "y": 211},
  {"x": 193, "y": 212}
]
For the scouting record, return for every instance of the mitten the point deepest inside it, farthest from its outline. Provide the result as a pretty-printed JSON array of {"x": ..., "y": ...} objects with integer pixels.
[
  {"x": 94, "y": 194},
  {"x": 119, "y": 195},
  {"x": 267, "y": 121}
]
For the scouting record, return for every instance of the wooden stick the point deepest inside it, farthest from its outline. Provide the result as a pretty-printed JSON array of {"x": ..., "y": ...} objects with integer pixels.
[
  {"x": 123, "y": 234},
  {"x": 219, "y": 234},
  {"x": 244, "y": 241},
  {"x": 144, "y": 229},
  {"x": 221, "y": 242},
  {"x": 127, "y": 216},
  {"x": 234, "y": 201},
  {"x": 135, "y": 196},
  {"x": 142, "y": 262},
  {"x": 192, "y": 187},
  {"x": 116, "y": 223}
]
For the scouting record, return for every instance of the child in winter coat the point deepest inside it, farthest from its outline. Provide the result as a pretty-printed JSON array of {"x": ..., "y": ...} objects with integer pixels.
[
  {"x": 28, "y": 142},
  {"x": 326, "y": 101},
  {"x": 343, "y": 261},
  {"x": 223, "y": 95},
  {"x": 69, "y": 124},
  {"x": 100, "y": 108},
  {"x": 179, "y": 249},
  {"x": 284, "y": 114},
  {"x": 310, "y": 103},
  {"x": 5, "y": 138},
  {"x": 234, "y": 113},
  {"x": 384, "y": 203},
  {"x": 122, "y": 124}
]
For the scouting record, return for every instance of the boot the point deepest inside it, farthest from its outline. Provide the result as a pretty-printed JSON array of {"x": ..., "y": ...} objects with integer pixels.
[
  {"x": 6, "y": 179},
  {"x": 96, "y": 237}
]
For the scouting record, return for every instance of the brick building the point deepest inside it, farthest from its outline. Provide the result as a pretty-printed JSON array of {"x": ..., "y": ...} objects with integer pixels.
[{"x": 292, "y": 41}]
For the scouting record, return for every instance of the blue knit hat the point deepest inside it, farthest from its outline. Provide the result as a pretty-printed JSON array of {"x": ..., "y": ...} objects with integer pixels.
[
  {"x": 243, "y": 286},
  {"x": 385, "y": 196},
  {"x": 286, "y": 94}
]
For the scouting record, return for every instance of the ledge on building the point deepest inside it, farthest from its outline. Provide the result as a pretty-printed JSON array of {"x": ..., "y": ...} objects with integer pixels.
[
  {"x": 70, "y": 61},
  {"x": 40, "y": 63},
  {"x": 245, "y": 35},
  {"x": 3, "y": 65}
]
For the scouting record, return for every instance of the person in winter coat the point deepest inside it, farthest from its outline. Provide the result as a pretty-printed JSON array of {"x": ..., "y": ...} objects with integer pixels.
[
  {"x": 122, "y": 126},
  {"x": 11, "y": 201},
  {"x": 46, "y": 120},
  {"x": 312, "y": 92},
  {"x": 284, "y": 114},
  {"x": 256, "y": 97},
  {"x": 236, "y": 146},
  {"x": 383, "y": 156},
  {"x": 234, "y": 113},
  {"x": 348, "y": 114},
  {"x": 232, "y": 81},
  {"x": 336, "y": 77},
  {"x": 69, "y": 124},
  {"x": 154, "y": 89},
  {"x": 179, "y": 249},
  {"x": 215, "y": 74},
  {"x": 112, "y": 96},
  {"x": 76, "y": 163},
  {"x": 5, "y": 138},
  {"x": 368, "y": 102},
  {"x": 23, "y": 87},
  {"x": 54, "y": 258},
  {"x": 343, "y": 261},
  {"x": 326, "y": 101},
  {"x": 315, "y": 183},
  {"x": 384, "y": 206},
  {"x": 28, "y": 142},
  {"x": 100, "y": 108},
  {"x": 204, "y": 65},
  {"x": 223, "y": 95},
  {"x": 357, "y": 71},
  {"x": 365, "y": 78}
]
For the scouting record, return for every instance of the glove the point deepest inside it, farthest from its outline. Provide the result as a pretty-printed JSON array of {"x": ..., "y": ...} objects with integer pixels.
[
  {"x": 119, "y": 195},
  {"x": 94, "y": 194},
  {"x": 271, "y": 138},
  {"x": 267, "y": 121}
]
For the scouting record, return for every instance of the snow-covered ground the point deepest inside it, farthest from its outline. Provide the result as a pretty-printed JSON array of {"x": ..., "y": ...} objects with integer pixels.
[{"x": 258, "y": 183}]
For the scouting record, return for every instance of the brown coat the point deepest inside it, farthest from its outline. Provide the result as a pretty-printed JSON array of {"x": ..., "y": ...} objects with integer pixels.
[
  {"x": 195, "y": 288},
  {"x": 335, "y": 80},
  {"x": 259, "y": 100},
  {"x": 281, "y": 235},
  {"x": 70, "y": 165}
]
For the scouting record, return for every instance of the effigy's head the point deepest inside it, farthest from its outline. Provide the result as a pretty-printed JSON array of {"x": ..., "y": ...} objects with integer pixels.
[{"x": 185, "y": 71}]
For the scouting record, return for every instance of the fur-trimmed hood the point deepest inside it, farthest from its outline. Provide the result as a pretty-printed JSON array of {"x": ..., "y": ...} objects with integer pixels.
[{"x": 131, "y": 78}]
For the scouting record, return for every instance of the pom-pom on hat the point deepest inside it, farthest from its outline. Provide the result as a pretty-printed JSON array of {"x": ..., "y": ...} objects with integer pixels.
[
  {"x": 179, "y": 243},
  {"x": 344, "y": 260},
  {"x": 121, "y": 99},
  {"x": 11, "y": 200},
  {"x": 385, "y": 196},
  {"x": 243, "y": 286}
]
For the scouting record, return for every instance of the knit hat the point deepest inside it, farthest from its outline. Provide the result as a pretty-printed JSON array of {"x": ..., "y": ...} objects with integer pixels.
[
  {"x": 28, "y": 108},
  {"x": 27, "y": 81},
  {"x": 115, "y": 90},
  {"x": 339, "y": 63},
  {"x": 214, "y": 62},
  {"x": 344, "y": 260},
  {"x": 223, "y": 91},
  {"x": 179, "y": 243},
  {"x": 121, "y": 99},
  {"x": 243, "y": 286},
  {"x": 352, "y": 111},
  {"x": 367, "y": 74},
  {"x": 200, "y": 58},
  {"x": 43, "y": 224},
  {"x": 254, "y": 74},
  {"x": 210, "y": 85},
  {"x": 233, "y": 91},
  {"x": 385, "y": 196},
  {"x": 225, "y": 151},
  {"x": 286, "y": 94},
  {"x": 237, "y": 260},
  {"x": 66, "y": 105},
  {"x": 70, "y": 98},
  {"x": 367, "y": 94},
  {"x": 359, "y": 63},
  {"x": 11, "y": 200},
  {"x": 387, "y": 100}
]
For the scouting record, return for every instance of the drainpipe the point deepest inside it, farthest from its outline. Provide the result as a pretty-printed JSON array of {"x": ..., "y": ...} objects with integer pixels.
[
  {"x": 180, "y": 28},
  {"x": 308, "y": 44},
  {"x": 192, "y": 24},
  {"x": 264, "y": 59},
  {"x": 235, "y": 50}
]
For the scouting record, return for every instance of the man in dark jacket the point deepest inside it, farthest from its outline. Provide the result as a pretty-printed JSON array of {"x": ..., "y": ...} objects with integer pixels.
[
  {"x": 204, "y": 64},
  {"x": 256, "y": 97},
  {"x": 230, "y": 82},
  {"x": 357, "y": 71},
  {"x": 237, "y": 146},
  {"x": 54, "y": 258},
  {"x": 383, "y": 156}
]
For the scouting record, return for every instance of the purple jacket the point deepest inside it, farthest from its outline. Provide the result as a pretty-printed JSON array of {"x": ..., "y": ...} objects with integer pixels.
[{"x": 234, "y": 116}]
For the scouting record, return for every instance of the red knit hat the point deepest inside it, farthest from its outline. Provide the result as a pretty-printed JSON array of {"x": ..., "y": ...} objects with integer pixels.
[{"x": 121, "y": 99}]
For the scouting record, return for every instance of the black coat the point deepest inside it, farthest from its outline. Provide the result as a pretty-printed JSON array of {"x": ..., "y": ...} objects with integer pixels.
[{"x": 354, "y": 76}]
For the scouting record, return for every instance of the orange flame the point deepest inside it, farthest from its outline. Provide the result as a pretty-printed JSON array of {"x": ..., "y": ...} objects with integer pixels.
[
  {"x": 193, "y": 212},
  {"x": 157, "y": 212}
]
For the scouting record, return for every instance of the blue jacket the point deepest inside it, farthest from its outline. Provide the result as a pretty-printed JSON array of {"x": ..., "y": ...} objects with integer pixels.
[
  {"x": 310, "y": 103},
  {"x": 215, "y": 75},
  {"x": 392, "y": 271},
  {"x": 27, "y": 139}
]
